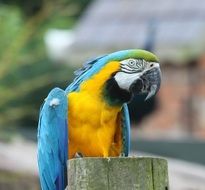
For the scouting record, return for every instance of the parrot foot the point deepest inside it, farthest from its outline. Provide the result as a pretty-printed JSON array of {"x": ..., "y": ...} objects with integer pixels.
[
  {"x": 78, "y": 155},
  {"x": 122, "y": 154}
]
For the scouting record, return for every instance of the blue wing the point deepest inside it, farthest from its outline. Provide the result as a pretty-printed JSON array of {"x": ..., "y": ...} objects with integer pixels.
[
  {"x": 53, "y": 141},
  {"x": 125, "y": 130}
]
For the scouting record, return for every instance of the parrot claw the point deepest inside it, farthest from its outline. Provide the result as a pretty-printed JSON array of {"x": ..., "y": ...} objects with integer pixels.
[
  {"x": 122, "y": 154},
  {"x": 78, "y": 155}
]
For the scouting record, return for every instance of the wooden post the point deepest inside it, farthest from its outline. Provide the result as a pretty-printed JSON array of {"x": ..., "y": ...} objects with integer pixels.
[{"x": 130, "y": 173}]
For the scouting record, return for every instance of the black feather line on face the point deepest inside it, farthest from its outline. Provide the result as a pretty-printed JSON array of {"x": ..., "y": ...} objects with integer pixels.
[{"x": 113, "y": 94}]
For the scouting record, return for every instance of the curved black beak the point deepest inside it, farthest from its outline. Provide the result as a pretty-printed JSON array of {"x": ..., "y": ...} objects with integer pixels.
[{"x": 149, "y": 83}]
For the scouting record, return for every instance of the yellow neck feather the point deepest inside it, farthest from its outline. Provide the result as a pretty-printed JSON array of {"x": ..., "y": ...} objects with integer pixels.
[{"x": 94, "y": 84}]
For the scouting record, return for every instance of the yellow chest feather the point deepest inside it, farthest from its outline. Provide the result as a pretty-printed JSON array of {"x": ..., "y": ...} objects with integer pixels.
[{"x": 94, "y": 126}]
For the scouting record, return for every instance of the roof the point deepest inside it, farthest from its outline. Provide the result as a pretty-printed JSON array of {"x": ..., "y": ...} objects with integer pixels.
[{"x": 173, "y": 29}]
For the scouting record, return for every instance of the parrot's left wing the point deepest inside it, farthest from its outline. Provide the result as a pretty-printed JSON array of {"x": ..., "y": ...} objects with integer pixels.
[
  {"x": 53, "y": 141},
  {"x": 125, "y": 130}
]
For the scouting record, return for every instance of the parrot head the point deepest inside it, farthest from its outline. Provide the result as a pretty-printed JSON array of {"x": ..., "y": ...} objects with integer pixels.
[{"x": 138, "y": 73}]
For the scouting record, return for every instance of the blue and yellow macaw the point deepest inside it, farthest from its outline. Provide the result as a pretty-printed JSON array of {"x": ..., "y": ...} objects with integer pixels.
[{"x": 90, "y": 117}]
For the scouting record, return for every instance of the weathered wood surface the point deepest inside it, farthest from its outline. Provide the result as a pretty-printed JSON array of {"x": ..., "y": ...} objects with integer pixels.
[{"x": 142, "y": 173}]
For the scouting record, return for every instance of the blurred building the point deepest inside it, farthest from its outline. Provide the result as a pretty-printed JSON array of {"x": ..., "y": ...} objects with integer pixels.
[
  {"x": 175, "y": 31},
  {"x": 176, "y": 28},
  {"x": 181, "y": 102}
]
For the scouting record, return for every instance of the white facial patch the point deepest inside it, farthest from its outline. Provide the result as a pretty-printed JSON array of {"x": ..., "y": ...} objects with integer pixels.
[
  {"x": 131, "y": 70},
  {"x": 124, "y": 80}
]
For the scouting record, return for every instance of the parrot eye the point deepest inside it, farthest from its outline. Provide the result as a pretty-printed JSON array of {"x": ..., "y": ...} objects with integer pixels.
[{"x": 132, "y": 62}]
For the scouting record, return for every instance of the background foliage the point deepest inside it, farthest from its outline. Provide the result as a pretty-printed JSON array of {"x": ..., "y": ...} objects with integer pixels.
[{"x": 26, "y": 73}]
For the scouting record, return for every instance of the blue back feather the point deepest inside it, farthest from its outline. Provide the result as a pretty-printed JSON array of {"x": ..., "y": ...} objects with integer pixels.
[{"x": 126, "y": 130}]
